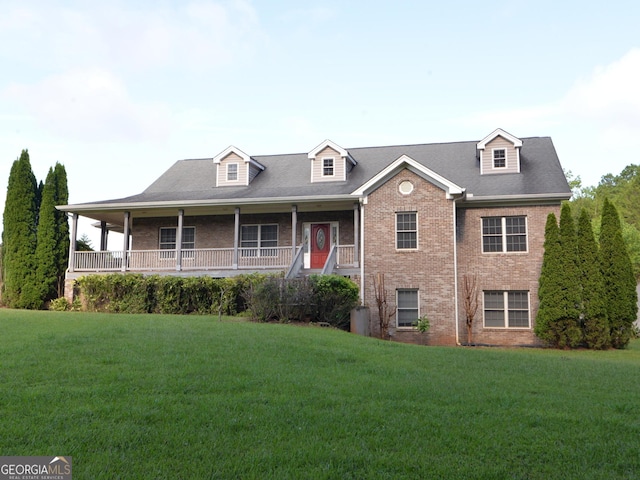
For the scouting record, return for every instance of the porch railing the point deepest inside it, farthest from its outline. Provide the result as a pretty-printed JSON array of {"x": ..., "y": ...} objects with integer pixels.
[{"x": 196, "y": 259}]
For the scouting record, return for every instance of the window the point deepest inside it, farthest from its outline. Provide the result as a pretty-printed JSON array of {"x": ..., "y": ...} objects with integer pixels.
[
  {"x": 506, "y": 309},
  {"x": 504, "y": 234},
  {"x": 232, "y": 172},
  {"x": 168, "y": 241},
  {"x": 259, "y": 240},
  {"x": 499, "y": 158},
  {"x": 406, "y": 230},
  {"x": 407, "y": 313},
  {"x": 327, "y": 167}
]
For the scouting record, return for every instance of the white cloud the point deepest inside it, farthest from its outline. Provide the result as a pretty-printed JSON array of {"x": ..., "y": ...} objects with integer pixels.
[{"x": 91, "y": 105}]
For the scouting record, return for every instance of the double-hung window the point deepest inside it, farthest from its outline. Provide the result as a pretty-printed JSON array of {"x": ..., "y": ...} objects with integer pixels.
[
  {"x": 168, "y": 241},
  {"x": 508, "y": 309},
  {"x": 328, "y": 167},
  {"x": 259, "y": 240},
  {"x": 407, "y": 307},
  {"x": 504, "y": 234},
  {"x": 232, "y": 172},
  {"x": 499, "y": 158},
  {"x": 406, "y": 230}
]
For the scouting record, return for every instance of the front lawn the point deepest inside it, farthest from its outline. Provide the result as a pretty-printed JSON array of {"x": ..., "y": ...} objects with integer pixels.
[{"x": 159, "y": 396}]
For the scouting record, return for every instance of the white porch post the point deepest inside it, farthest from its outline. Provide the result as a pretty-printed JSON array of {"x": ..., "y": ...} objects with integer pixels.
[
  {"x": 125, "y": 242},
  {"x": 356, "y": 234},
  {"x": 104, "y": 235},
  {"x": 294, "y": 229},
  {"x": 179, "y": 240},
  {"x": 72, "y": 241},
  {"x": 236, "y": 238}
]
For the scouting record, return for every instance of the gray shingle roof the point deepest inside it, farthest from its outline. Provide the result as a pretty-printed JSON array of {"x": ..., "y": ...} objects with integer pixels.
[{"x": 289, "y": 175}]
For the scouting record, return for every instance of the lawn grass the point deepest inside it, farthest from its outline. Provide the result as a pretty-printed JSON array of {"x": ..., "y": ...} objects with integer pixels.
[{"x": 151, "y": 396}]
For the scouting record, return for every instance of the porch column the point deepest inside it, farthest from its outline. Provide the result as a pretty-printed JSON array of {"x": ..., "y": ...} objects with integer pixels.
[
  {"x": 294, "y": 229},
  {"x": 72, "y": 241},
  {"x": 236, "y": 238},
  {"x": 179, "y": 240},
  {"x": 104, "y": 235},
  {"x": 356, "y": 234},
  {"x": 125, "y": 242}
]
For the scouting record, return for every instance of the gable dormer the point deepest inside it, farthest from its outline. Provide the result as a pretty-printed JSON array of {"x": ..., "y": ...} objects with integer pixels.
[
  {"x": 330, "y": 163},
  {"x": 235, "y": 168},
  {"x": 499, "y": 153}
]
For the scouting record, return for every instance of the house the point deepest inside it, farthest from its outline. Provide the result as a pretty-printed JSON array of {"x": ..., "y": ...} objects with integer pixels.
[{"x": 424, "y": 215}]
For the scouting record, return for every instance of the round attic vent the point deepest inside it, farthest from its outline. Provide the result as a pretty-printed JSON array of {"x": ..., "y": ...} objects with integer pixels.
[{"x": 405, "y": 187}]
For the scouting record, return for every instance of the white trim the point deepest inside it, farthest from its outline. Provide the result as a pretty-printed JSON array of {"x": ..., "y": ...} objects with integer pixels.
[
  {"x": 405, "y": 161},
  {"x": 505, "y": 295},
  {"x": 328, "y": 143},
  {"x": 408, "y": 289},
  {"x": 395, "y": 231},
  {"x": 231, "y": 149},
  {"x": 306, "y": 238},
  {"x": 333, "y": 167},
  {"x": 237, "y": 172},
  {"x": 517, "y": 143},
  {"x": 503, "y": 235},
  {"x": 493, "y": 158}
]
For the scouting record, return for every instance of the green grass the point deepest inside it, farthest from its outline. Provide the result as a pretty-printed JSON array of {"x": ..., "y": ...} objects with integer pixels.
[{"x": 142, "y": 396}]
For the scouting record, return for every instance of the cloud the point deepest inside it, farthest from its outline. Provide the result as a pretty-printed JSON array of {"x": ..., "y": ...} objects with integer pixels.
[
  {"x": 610, "y": 96},
  {"x": 90, "y": 104},
  {"x": 197, "y": 35}
]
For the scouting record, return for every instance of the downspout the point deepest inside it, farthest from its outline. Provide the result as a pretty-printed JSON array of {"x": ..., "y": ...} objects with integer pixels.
[
  {"x": 455, "y": 267},
  {"x": 362, "y": 204}
]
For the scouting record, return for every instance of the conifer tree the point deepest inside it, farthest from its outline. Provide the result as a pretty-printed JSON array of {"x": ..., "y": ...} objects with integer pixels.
[
  {"x": 595, "y": 325},
  {"x": 19, "y": 236},
  {"x": 619, "y": 281},
  {"x": 46, "y": 258},
  {"x": 558, "y": 316},
  {"x": 62, "y": 226}
]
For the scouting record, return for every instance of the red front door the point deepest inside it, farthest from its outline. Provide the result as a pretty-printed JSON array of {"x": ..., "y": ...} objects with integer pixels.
[{"x": 320, "y": 243}]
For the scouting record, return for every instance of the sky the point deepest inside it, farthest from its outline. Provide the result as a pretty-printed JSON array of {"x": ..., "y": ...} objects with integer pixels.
[{"x": 118, "y": 91}]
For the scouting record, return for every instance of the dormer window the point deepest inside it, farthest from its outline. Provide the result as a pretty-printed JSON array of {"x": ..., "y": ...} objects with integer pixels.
[
  {"x": 232, "y": 172},
  {"x": 499, "y": 158},
  {"x": 499, "y": 153},
  {"x": 327, "y": 166},
  {"x": 330, "y": 163}
]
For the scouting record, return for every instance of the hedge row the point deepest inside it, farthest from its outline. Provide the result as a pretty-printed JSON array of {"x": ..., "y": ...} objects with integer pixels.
[
  {"x": 135, "y": 293},
  {"x": 320, "y": 298}
]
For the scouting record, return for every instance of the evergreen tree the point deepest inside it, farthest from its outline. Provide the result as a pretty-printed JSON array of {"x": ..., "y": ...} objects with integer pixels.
[
  {"x": 619, "y": 281},
  {"x": 19, "y": 236},
  {"x": 47, "y": 263},
  {"x": 595, "y": 324},
  {"x": 62, "y": 226},
  {"x": 558, "y": 316}
]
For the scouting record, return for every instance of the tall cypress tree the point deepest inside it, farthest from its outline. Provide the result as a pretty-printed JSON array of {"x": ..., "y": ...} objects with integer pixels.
[
  {"x": 619, "y": 281},
  {"x": 595, "y": 323},
  {"x": 558, "y": 316},
  {"x": 46, "y": 258},
  {"x": 62, "y": 226},
  {"x": 19, "y": 236},
  {"x": 550, "y": 284}
]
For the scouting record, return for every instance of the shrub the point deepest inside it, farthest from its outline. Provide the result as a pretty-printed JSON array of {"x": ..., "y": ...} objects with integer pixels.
[
  {"x": 334, "y": 297},
  {"x": 59, "y": 305}
]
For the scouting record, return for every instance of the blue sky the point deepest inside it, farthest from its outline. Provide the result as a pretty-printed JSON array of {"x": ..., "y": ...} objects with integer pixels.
[{"x": 118, "y": 91}]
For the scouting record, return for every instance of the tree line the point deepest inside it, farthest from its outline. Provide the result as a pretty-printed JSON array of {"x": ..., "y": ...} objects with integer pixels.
[
  {"x": 587, "y": 288},
  {"x": 35, "y": 236}
]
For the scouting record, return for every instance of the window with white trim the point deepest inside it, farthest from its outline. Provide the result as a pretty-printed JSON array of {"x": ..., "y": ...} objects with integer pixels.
[
  {"x": 168, "y": 241},
  {"x": 328, "y": 165},
  {"x": 259, "y": 240},
  {"x": 232, "y": 172},
  {"x": 407, "y": 311},
  {"x": 504, "y": 234},
  {"x": 508, "y": 309},
  {"x": 406, "y": 230},
  {"x": 499, "y": 158}
]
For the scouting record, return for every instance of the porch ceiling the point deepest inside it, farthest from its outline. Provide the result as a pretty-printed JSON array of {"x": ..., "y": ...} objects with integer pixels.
[{"x": 114, "y": 215}]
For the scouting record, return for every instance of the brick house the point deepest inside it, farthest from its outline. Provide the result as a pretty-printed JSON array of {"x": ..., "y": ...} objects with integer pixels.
[{"x": 424, "y": 215}]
